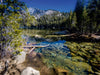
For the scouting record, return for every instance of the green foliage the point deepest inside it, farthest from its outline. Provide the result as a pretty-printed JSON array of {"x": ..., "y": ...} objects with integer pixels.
[
  {"x": 10, "y": 31},
  {"x": 71, "y": 22},
  {"x": 94, "y": 13},
  {"x": 28, "y": 20},
  {"x": 13, "y": 15},
  {"x": 74, "y": 20},
  {"x": 84, "y": 19},
  {"x": 54, "y": 21},
  {"x": 79, "y": 10},
  {"x": 10, "y": 6},
  {"x": 10, "y": 18}
]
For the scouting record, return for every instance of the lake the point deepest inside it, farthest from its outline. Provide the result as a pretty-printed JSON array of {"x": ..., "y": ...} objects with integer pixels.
[{"x": 58, "y": 54}]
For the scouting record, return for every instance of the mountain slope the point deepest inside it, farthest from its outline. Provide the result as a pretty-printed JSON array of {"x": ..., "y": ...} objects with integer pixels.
[{"x": 38, "y": 13}]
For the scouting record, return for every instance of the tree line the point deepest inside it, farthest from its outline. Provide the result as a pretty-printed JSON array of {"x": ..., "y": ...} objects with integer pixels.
[
  {"x": 85, "y": 19},
  {"x": 52, "y": 21},
  {"x": 87, "y": 16}
]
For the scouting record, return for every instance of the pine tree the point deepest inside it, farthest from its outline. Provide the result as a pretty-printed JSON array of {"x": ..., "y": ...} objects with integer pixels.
[
  {"x": 9, "y": 25},
  {"x": 78, "y": 10},
  {"x": 92, "y": 10},
  {"x": 98, "y": 16},
  {"x": 28, "y": 20},
  {"x": 85, "y": 21},
  {"x": 69, "y": 21},
  {"x": 74, "y": 21}
]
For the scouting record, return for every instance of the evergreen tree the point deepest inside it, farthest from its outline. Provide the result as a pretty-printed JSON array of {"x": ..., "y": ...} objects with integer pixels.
[
  {"x": 9, "y": 25},
  {"x": 79, "y": 9},
  {"x": 85, "y": 21},
  {"x": 69, "y": 21},
  {"x": 74, "y": 21},
  {"x": 10, "y": 6},
  {"x": 27, "y": 20},
  {"x": 98, "y": 16},
  {"x": 92, "y": 11}
]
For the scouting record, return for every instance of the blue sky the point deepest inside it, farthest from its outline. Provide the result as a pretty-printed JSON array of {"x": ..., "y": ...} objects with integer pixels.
[{"x": 60, "y": 5}]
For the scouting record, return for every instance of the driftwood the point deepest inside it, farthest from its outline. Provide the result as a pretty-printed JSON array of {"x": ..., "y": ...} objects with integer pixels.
[
  {"x": 31, "y": 50},
  {"x": 34, "y": 46}
]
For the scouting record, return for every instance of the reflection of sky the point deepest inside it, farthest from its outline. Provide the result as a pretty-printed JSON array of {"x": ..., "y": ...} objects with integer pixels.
[{"x": 60, "y": 5}]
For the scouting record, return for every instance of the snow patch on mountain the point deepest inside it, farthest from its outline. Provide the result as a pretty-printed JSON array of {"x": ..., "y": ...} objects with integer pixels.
[
  {"x": 48, "y": 12},
  {"x": 37, "y": 13},
  {"x": 31, "y": 10}
]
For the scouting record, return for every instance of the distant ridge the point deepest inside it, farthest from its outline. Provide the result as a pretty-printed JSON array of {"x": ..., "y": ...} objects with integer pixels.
[{"x": 37, "y": 13}]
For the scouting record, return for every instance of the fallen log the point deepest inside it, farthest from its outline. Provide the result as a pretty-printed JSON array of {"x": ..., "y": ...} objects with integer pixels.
[{"x": 33, "y": 47}]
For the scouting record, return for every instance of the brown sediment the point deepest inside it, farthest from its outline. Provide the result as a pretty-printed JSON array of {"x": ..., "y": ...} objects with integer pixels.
[{"x": 35, "y": 60}]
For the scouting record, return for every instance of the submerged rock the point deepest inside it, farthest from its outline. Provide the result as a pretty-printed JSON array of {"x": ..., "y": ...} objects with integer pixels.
[
  {"x": 30, "y": 71},
  {"x": 37, "y": 36},
  {"x": 20, "y": 58}
]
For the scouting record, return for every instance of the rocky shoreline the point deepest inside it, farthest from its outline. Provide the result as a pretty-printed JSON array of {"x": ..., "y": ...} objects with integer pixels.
[
  {"x": 27, "y": 64},
  {"x": 14, "y": 66}
]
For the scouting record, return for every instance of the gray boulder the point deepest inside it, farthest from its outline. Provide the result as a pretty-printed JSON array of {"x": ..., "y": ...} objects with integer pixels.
[
  {"x": 30, "y": 71},
  {"x": 20, "y": 58}
]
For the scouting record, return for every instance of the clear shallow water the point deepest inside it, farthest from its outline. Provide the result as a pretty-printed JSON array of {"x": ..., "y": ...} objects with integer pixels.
[
  {"x": 58, "y": 54},
  {"x": 54, "y": 46}
]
